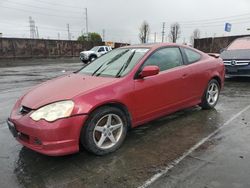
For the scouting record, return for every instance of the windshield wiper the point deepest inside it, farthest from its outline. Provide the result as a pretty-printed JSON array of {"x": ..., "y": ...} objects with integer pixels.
[
  {"x": 107, "y": 64},
  {"x": 125, "y": 65}
]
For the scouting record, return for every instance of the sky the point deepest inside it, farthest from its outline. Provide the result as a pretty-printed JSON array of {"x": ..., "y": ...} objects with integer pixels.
[{"x": 121, "y": 19}]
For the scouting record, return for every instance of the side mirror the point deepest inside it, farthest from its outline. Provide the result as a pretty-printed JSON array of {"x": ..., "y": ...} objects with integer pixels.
[
  {"x": 222, "y": 50},
  {"x": 149, "y": 71}
]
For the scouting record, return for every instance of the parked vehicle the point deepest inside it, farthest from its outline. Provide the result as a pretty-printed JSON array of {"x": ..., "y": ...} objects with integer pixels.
[
  {"x": 236, "y": 57},
  {"x": 125, "y": 88},
  {"x": 95, "y": 52}
]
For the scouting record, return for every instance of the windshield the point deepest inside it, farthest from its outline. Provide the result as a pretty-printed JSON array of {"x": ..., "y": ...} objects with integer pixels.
[
  {"x": 116, "y": 63},
  {"x": 94, "y": 48},
  {"x": 240, "y": 44}
]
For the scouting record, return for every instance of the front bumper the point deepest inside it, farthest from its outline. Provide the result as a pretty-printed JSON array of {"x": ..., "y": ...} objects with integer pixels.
[
  {"x": 237, "y": 70},
  {"x": 84, "y": 57},
  {"x": 57, "y": 138}
]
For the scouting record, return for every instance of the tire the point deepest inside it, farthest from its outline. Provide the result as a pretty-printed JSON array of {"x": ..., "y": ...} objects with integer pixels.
[
  {"x": 211, "y": 95},
  {"x": 84, "y": 61},
  {"x": 104, "y": 131},
  {"x": 92, "y": 58}
]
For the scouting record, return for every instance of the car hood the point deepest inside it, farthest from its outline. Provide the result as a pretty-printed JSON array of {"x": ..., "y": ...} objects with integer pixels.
[
  {"x": 87, "y": 52},
  {"x": 63, "y": 88},
  {"x": 235, "y": 54}
]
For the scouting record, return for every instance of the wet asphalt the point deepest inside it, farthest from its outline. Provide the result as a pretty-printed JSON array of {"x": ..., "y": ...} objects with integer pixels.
[{"x": 222, "y": 161}]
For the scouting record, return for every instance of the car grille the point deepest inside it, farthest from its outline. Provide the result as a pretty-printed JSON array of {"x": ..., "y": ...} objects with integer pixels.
[
  {"x": 82, "y": 55},
  {"x": 24, "y": 110},
  {"x": 236, "y": 62}
]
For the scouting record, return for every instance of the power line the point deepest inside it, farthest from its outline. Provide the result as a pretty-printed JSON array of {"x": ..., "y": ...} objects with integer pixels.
[
  {"x": 57, "y": 4},
  {"x": 40, "y": 13},
  {"x": 212, "y": 19},
  {"x": 39, "y": 7}
]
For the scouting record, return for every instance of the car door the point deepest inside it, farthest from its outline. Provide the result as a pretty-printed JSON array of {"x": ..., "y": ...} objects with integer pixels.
[
  {"x": 101, "y": 51},
  {"x": 154, "y": 95},
  {"x": 197, "y": 80}
]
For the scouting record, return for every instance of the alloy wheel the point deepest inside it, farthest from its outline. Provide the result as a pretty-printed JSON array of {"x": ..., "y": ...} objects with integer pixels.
[
  {"x": 108, "y": 131},
  {"x": 212, "y": 94}
]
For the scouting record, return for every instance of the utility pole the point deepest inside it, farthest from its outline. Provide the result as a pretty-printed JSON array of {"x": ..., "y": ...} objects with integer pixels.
[
  {"x": 32, "y": 28},
  {"x": 69, "y": 38},
  {"x": 155, "y": 37},
  {"x": 86, "y": 23},
  {"x": 37, "y": 33},
  {"x": 103, "y": 35},
  {"x": 163, "y": 32}
]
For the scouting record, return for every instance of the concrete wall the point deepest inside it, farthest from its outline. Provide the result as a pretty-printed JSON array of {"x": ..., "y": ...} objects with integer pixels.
[
  {"x": 11, "y": 48},
  {"x": 214, "y": 44}
]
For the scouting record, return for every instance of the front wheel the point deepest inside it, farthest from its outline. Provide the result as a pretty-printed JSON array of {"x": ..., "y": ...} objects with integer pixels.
[
  {"x": 92, "y": 58},
  {"x": 211, "y": 95},
  {"x": 85, "y": 61},
  {"x": 104, "y": 131}
]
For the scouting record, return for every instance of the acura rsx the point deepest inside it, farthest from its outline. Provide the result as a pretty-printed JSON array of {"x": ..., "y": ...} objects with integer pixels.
[{"x": 95, "y": 106}]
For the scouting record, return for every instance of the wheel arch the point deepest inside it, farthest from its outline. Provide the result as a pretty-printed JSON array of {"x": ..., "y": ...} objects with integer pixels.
[
  {"x": 217, "y": 78},
  {"x": 92, "y": 55},
  {"x": 118, "y": 105}
]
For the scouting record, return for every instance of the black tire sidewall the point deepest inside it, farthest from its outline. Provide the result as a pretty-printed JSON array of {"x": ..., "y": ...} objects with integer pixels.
[{"x": 87, "y": 132}]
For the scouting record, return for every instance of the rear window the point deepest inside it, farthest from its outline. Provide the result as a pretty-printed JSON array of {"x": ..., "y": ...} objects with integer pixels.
[
  {"x": 240, "y": 44},
  {"x": 192, "y": 56}
]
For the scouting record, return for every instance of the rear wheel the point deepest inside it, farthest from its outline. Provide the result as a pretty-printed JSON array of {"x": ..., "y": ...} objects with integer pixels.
[
  {"x": 211, "y": 95},
  {"x": 104, "y": 131}
]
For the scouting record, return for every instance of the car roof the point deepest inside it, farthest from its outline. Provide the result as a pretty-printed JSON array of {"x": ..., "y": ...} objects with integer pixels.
[{"x": 152, "y": 45}]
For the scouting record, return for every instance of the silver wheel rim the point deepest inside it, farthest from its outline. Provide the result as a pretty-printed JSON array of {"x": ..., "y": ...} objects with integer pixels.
[
  {"x": 92, "y": 59},
  {"x": 212, "y": 94},
  {"x": 108, "y": 131}
]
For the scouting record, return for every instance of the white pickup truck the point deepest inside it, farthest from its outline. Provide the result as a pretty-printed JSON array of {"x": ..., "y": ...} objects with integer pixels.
[{"x": 95, "y": 52}]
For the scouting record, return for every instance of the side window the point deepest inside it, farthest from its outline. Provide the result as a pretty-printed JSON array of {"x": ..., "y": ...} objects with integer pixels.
[
  {"x": 192, "y": 56},
  {"x": 165, "y": 58},
  {"x": 106, "y": 48},
  {"x": 101, "y": 49}
]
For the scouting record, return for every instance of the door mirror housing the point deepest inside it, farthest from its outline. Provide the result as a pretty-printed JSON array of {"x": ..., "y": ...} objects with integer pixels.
[{"x": 149, "y": 71}]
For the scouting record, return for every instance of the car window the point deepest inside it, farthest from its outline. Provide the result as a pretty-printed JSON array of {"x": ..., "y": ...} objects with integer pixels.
[
  {"x": 165, "y": 58},
  {"x": 116, "y": 63},
  {"x": 101, "y": 49},
  {"x": 106, "y": 49},
  {"x": 192, "y": 56}
]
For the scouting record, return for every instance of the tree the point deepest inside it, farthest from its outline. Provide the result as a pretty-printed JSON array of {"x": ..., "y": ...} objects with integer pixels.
[
  {"x": 144, "y": 32},
  {"x": 81, "y": 38},
  {"x": 175, "y": 32},
  {"x": 92, "y": 37},
  {"x": 195, "y": 35}
]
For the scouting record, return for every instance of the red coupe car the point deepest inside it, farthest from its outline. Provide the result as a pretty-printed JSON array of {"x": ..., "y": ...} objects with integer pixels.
[{"x": 95, "y": 106}]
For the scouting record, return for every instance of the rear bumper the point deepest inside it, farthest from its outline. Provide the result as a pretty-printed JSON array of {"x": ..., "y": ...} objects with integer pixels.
[{"x": 54, "y": 139}]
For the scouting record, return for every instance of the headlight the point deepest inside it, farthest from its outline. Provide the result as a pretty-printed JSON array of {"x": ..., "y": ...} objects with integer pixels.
[{"x": 53, "y": 111}]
